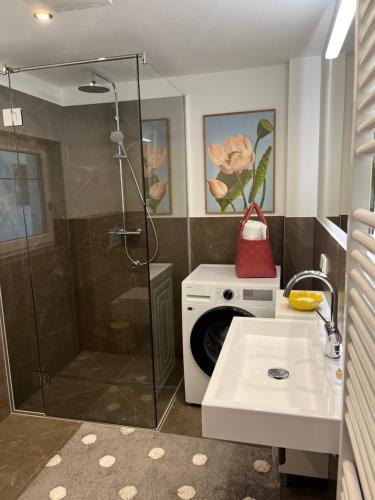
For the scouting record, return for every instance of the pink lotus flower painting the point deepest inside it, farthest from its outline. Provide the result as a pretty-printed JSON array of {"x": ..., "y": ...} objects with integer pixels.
[
  {"x": 239, "y": 161},
  {"x": 156, "y": 165}
]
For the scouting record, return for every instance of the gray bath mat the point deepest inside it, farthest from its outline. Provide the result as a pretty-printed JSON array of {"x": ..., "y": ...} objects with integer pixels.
[{"x": 103, "y": 462}]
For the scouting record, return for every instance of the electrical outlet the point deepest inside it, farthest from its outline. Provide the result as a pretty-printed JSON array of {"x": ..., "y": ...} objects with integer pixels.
[
  {"x": 323, "y": 263},
  {"x": 12, "y": 117}
]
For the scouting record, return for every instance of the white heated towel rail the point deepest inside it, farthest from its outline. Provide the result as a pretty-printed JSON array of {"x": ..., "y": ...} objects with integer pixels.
[{"x": 357, "y": 454}]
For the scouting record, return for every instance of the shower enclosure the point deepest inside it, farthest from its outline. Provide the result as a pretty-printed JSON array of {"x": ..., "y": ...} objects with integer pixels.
[{"x": 93, "y": 191}]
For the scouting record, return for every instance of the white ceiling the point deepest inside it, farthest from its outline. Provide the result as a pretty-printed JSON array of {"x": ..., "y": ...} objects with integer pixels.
[{"x": 179, "y": 36}]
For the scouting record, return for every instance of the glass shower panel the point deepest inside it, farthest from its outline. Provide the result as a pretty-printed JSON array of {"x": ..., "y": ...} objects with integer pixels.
[
  {"x": 91, "y": 297},
  {"x": 163, "y": 136},
  {"x": 15, "y": 281}
]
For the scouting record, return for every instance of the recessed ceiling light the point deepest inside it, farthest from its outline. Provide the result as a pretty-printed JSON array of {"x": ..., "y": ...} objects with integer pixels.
[{"x": 43, "y": 16}]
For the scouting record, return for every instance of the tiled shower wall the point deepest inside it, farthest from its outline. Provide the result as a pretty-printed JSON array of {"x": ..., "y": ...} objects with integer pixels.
[{"x": 79, "y": 275}]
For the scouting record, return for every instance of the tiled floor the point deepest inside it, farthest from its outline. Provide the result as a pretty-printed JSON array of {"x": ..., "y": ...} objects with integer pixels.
[
  {"x": 26, "y": 444},
  {"x": 182, "y": 418},
  {"x": 185, "y": 419},
  {"x": 106, "y": 387}
]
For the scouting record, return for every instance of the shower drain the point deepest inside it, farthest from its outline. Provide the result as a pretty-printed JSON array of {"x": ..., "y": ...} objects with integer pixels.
[{"x": 278, "y": 373}]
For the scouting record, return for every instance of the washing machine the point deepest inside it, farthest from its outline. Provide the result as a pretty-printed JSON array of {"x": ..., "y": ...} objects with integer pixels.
[{"x": 211, "y": 296}]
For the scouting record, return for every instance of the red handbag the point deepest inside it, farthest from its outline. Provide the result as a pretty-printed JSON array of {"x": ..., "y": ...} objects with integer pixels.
[{"x": 254, "y": 258}]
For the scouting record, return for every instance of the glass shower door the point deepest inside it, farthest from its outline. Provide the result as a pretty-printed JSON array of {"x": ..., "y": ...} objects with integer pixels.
[{"x": 90, "y": 295}]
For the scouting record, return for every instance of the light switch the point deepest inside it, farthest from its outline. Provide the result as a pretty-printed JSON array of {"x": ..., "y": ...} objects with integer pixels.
[
  {"x": 12, "y": 116},
  {"x": 323, "y": 263}
]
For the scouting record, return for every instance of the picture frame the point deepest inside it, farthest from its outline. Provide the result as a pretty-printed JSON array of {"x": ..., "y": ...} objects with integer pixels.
[
  {"x": 239, "y": 146},
  {"x": 157, "y": 165}
]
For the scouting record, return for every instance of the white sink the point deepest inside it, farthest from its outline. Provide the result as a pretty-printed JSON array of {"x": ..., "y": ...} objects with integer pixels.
[{"x": 243, "y": 403}]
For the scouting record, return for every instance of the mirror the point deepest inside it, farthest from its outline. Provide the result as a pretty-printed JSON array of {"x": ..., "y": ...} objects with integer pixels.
[{"x": 336, "y": 136}]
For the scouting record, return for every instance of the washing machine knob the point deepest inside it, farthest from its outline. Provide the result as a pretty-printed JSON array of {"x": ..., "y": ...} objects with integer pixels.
[{"x": 228, "y": 294}]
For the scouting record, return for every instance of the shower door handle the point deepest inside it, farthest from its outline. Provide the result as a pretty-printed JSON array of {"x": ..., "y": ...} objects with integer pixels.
[{"x": 125, "y": 232}]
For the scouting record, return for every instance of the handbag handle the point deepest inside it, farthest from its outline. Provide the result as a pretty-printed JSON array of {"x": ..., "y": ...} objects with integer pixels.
[{"x": 253, "y": 206}]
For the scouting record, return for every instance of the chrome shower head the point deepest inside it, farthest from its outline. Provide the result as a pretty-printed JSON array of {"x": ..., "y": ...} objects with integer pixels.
[
  {"x": 117, "y": 136},
  {"x": 94, "y": 88}
]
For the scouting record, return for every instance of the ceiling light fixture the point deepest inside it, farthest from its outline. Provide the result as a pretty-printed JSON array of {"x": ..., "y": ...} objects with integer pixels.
[
  {"x": 43, "y": 16},
  {"x": 343, "y": 21}
]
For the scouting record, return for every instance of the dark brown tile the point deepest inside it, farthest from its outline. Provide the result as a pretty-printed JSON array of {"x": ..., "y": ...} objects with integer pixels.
[
  {"x": 16, "y": 473},
  {"x": 324, "y": 243},
  {"x": 183, "y": 418},
  {"x": 213, "y": 239},
  {"x": 34, "y": 436},
  {"x": 298, "y": 248},
  {"x": 186, "y": 422},
  {"x": 26, "y": 443}
]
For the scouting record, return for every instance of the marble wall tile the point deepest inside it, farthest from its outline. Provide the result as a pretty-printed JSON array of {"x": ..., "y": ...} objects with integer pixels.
[
  {"x": 213, "y": 239},
  {"x": 298, "y": 248},
  {"x": 103, "y": 275},
  {"x": 324, "y": 243},
  {"x": 41, "y": 118},
  {"x": 20, "y": 325}
]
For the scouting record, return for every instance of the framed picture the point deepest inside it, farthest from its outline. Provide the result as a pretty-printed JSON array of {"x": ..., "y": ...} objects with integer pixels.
[
  {"x": 239, "y": 152},
  {"x": 156, "y": 165}
]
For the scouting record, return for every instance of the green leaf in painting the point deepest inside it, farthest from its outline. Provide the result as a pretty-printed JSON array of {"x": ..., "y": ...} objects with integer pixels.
[
  {"x": 264, "y": 128},
  {"x": 260, "y": 174},
  {"x": 234, "y": 187}
]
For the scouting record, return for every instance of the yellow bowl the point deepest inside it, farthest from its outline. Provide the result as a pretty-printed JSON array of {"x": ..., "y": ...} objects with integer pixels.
[{"x": 305, "y": 301}]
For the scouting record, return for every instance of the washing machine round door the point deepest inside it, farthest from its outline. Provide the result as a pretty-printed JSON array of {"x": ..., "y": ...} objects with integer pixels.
[{"x": 208, "y": 335}]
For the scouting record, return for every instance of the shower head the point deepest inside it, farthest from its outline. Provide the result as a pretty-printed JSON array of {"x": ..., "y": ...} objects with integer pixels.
[
  {"x": 117, "y": 136},
  {"x": 94, "y": 88}
]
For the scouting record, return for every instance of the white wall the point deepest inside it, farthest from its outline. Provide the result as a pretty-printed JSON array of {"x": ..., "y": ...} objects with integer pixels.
[
  {"x": 303, "y": 136},
  {"x": 242, "y": 90}
]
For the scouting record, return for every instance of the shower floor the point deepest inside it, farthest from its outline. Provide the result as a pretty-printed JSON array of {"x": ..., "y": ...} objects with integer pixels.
[{"x": 105, "y": 387}]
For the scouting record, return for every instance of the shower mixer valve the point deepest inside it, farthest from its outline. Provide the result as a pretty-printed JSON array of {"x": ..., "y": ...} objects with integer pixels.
[{"x": 124, "y": 232}]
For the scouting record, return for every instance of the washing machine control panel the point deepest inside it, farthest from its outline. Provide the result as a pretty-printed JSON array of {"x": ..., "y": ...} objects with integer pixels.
[
  {"x": 228, "y": 293},
  {"x": 246, "y": 295}
]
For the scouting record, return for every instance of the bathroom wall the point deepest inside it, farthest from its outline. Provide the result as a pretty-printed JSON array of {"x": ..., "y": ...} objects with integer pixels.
[
  {"x": 94, "y": 205},
  {"x": 102, "y": 273},
  {"x": 231, "y": 91},
  {"x": 294, "y": 91}
]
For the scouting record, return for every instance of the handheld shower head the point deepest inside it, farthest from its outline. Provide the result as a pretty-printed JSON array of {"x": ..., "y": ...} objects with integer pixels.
[{"x": 117, "y": 137}]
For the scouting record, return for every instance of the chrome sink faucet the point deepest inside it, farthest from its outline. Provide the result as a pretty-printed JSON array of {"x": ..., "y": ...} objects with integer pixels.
[{"x": 334, "y": 338}]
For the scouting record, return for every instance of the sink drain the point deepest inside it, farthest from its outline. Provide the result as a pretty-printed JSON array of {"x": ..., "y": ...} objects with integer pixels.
[{"x": 278, "y": 373}]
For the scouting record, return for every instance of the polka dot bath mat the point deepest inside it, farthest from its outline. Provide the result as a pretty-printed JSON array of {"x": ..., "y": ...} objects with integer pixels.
[{"x": 102, "y": 462}]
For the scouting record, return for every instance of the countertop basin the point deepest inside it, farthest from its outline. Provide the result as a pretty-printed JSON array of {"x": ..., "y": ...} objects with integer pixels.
[{"x": 244, "y": 403}]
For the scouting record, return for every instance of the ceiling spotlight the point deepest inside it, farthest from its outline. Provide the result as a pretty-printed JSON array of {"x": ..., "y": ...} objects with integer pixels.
[{"x": 43, "y": 16}]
